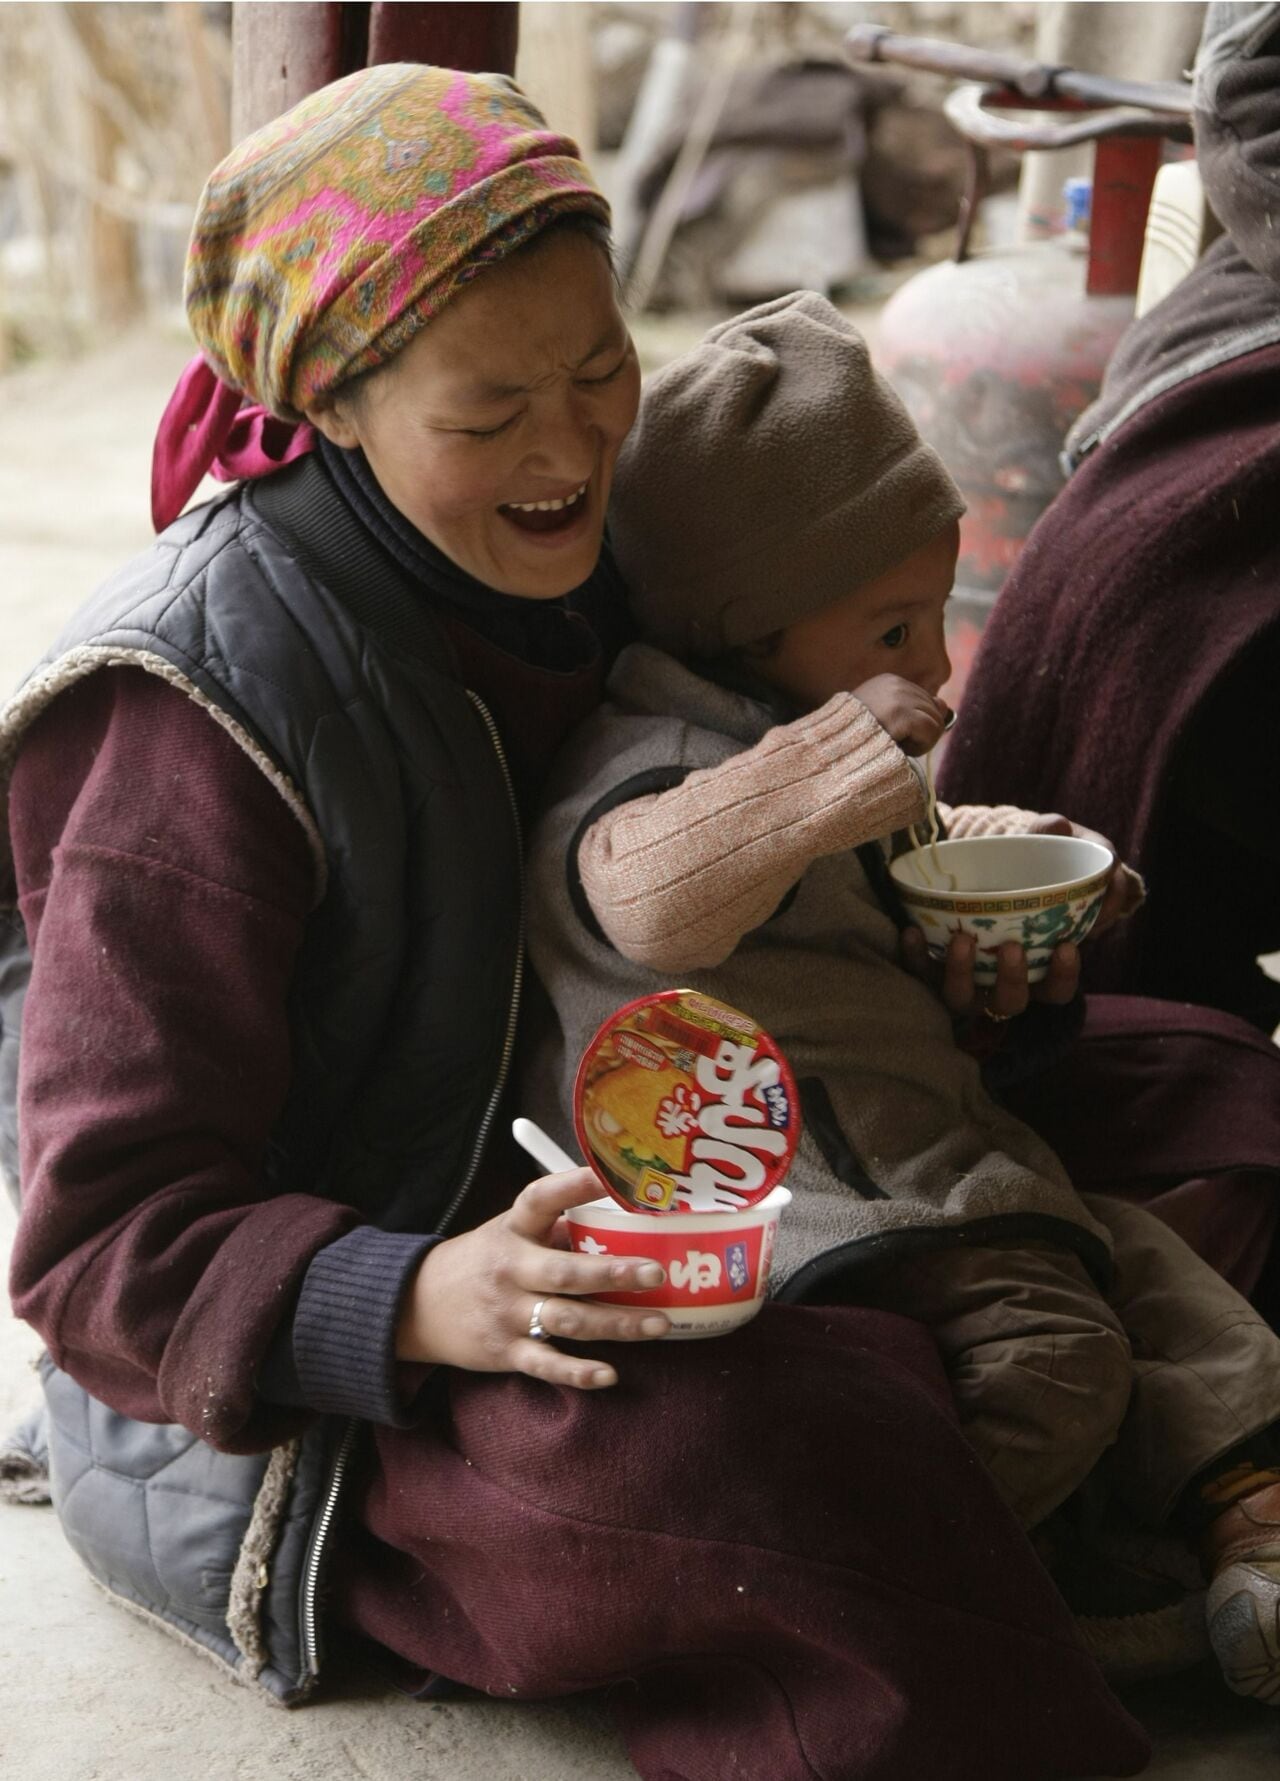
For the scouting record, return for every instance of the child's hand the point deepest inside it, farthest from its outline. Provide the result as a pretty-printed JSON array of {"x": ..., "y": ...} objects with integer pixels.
[{"x": 913, "y": 717}]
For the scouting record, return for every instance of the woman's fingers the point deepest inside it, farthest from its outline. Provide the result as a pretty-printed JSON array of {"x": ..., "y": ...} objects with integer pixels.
[
  {"x": 958, "y": 990},
  {"x": 544, "y": 1272},
  {"x": 471, "y": 1300},
  {"x": 540, "y": 1361},
  {"x": 1062, "y": 979},
  {"x": 1133, "y": 888},
  {"x": 958, "y": 986},
  {"x": 915, "y": 954},
  {"x": 545, "y": 1264},
  {"x": 579, "y": 1320},
  {"x": 576, "y": 1320},
  {"x": 537, "y": 1207},
  {"x": 1008, "y": 995}
]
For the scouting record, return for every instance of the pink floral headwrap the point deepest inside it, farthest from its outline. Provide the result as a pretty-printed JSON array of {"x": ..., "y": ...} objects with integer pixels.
[{"x": 329, "y": 237}]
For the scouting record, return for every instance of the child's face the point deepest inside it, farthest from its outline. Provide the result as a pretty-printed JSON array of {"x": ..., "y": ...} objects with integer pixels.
[{"x": 892, "y": 625}]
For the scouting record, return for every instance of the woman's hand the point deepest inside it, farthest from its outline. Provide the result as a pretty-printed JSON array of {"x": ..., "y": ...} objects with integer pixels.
[
  {"x": 913, "y": 717},
  {"x": 953, "y": 978},
  {"x": 1125, "y": 889},
  {"x": 473, "y": 1298}
]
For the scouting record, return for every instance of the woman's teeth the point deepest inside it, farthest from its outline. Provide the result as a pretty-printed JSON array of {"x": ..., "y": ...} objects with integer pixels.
[{"x": 545, "y": 506}]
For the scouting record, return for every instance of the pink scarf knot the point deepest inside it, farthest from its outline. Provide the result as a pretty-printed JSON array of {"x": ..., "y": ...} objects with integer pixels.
[{"x": 207, "y": 429}]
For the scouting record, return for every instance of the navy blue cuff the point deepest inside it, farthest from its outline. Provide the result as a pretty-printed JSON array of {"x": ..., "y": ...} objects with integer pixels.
[{"x": 338, "y": 1353}]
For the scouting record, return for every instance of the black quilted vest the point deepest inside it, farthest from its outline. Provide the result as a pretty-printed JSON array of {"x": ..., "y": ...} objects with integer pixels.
[
  {"x": 403, "y": 988},
  {"x": 271, "y": 609}
]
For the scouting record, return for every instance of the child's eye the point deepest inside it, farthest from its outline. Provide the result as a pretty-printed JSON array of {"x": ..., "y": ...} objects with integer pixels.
[{"x": 895, "y": 638}]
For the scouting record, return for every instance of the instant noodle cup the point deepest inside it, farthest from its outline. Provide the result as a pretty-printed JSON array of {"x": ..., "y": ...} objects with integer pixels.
[
  {"x": 685, "y": 1105},
  {"x": 717, "y": 1263}
]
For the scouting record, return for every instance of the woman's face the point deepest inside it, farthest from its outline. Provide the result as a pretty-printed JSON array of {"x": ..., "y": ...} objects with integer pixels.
[{"x": 497, "y": 428}]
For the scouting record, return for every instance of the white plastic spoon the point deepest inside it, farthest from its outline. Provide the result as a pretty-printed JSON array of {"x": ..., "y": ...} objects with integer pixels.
[{"x": 542, "y": 1148}]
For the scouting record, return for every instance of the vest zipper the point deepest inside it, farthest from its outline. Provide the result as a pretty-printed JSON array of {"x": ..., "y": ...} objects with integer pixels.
[
  {"x": 324, "y": 1520},
  {"x": 315, "y": 1552},
  {"x": 517, "y": 978}
]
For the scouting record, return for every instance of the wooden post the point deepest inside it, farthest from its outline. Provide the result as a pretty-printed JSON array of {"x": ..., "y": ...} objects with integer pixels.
[
  {"x": 279, "y": 54},
  {"x": 480, "y": 38},
  {"x": 111, "y": 241},
  {"x": 206, "y": 88},
  {"x": 554, "y": 68},
  {"x": 282, "y": 52}
]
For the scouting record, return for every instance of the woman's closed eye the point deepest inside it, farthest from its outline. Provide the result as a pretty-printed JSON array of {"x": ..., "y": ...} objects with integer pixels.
[
  {"x": 608, "y": 376},
  {"x": 489, "y": 432},
  {"x": 896, "y": 638}
]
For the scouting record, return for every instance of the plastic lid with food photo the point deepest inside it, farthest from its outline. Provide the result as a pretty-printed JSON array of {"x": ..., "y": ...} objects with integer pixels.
[{"x": 683, "y": 1104}]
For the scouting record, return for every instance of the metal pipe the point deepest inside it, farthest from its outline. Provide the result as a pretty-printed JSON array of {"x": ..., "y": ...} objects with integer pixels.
[{"x": 1020, "y": 74}]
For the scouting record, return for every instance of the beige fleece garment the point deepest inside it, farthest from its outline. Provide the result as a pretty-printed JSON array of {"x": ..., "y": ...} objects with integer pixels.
[{"x": 676, "y": 879}]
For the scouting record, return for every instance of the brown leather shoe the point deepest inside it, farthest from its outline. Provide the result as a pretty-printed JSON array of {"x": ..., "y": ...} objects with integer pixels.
[{"x": 1241, "y": 1551}]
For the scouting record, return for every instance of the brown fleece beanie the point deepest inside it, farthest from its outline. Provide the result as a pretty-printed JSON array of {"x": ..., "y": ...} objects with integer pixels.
[{"x": 771, "y": 471}]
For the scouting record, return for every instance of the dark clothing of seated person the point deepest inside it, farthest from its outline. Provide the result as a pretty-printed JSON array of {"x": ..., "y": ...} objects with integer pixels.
[{"x": 1130, "y": 667}]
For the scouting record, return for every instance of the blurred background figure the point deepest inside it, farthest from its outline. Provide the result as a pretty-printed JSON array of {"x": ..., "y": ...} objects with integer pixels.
[{"x": 1130, "y": 669}]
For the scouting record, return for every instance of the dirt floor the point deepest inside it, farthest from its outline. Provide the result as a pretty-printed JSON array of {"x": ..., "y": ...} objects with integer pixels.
[{"x": 86, "y": 1692}]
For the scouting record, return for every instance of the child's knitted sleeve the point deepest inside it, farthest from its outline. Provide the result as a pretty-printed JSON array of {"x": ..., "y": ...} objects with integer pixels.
[
  {"x": 675, "y": 879},
  {"x": 962, "y": 821}
]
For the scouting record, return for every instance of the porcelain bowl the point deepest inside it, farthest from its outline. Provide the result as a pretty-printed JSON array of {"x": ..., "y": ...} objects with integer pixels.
[{"x": 1040, "y": 890}]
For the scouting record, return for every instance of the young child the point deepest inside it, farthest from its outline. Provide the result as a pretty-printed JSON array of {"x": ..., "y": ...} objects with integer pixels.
[{"x": 789, "y": 543}]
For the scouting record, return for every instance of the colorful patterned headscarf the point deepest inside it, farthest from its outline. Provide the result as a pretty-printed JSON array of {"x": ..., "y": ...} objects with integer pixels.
[{"x": 325, "y": 240}]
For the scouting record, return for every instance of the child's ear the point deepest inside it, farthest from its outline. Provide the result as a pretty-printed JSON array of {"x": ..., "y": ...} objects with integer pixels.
[{"x": 763, "y": 649}]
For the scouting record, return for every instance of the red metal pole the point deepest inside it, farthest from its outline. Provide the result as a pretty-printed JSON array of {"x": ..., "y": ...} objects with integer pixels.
[{"x": 1124, "y": 171}]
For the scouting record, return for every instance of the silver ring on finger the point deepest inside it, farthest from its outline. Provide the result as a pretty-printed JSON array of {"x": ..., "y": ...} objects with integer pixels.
[
  {"x": 536, "y": 1330},
  {"x": 990, "y": 1014}
]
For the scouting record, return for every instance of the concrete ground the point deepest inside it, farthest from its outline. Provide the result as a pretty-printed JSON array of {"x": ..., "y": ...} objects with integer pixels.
[{"x": 86, "y": 1692}]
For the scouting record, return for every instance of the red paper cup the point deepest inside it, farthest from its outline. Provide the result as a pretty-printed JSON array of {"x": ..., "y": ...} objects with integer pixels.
[
  {"x": 683, "y": 1104},
  {"x": 717, "y": 1262}
]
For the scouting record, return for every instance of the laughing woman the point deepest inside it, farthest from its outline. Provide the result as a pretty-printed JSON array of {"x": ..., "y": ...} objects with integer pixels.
[{"x": 262, "y": 886}]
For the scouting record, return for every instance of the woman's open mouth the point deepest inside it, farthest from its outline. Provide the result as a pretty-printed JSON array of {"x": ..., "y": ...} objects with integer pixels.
[{"x": 544, "y": 517}]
